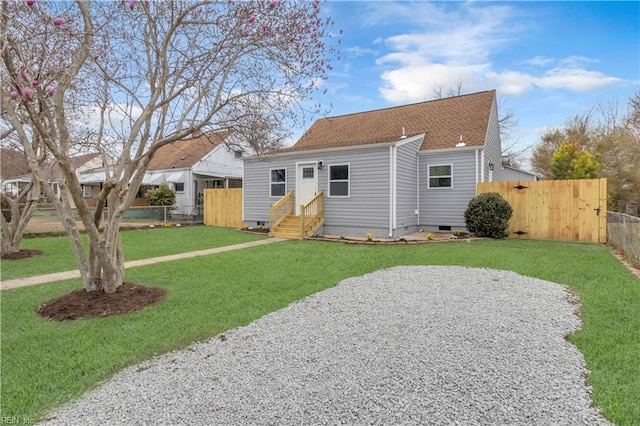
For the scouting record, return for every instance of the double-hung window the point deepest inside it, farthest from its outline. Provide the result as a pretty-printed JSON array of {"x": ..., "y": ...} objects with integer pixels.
[
  {"x": 278, "y": 182},
  {"x": 339, "y": 180},
  {"x": 440, "y": 176}
]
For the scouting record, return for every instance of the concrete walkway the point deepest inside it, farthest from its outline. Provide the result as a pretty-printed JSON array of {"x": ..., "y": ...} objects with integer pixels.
[{"x": 60, "y": 276}]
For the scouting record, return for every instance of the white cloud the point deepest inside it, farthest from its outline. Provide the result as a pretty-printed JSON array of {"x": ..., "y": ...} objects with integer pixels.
[
  {"x": 539, "y": 61},
  {"x": 563, "y": 78},
  {"x": 455, "y": 49},
  {"x": 471, "y": 38},
  {"x": 417, "y": 82},
  {"x": 459, "y": 46},
  {"x": 511, "y": 82},
  {"x": 577, "y": 61},
  {"x": 575, "y": 80},
  {"x": 361, "y": 51}
]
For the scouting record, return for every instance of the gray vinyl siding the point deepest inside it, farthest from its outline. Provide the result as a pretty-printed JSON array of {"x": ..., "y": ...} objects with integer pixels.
[
  {"x": 256, "y": 200},
  {"x": 406, "y": 187},
  {"x": 365, "y": 210},
  {"x": 446, "y": 206},
  {"x": 493, "y": 147},
  {"x": 367, "y": 207}
]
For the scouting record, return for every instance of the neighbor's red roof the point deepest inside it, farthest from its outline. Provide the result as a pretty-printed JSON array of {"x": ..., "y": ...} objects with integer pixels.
[{"x": 442, "y": 120}]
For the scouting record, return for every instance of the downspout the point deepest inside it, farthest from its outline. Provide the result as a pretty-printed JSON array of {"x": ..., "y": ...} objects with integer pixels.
[
  {"x": 417, "y": 189},
  {"x": 390, "y": 191},
  {"x": 395, "y": 186}
]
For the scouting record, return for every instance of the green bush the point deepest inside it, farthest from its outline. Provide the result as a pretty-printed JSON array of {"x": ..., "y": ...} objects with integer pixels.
[
  {"x": 161, "y": 196},
  {"x": 488, "y": 215}
]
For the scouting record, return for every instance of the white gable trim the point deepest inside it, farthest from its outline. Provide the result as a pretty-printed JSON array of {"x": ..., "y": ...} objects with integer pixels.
[
  {"x": 399, "y": 142},
  {"x": 457, "y": 149}
]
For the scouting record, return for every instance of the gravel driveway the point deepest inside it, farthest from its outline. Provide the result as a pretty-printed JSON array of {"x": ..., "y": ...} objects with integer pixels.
[{"x": 407, "y": 345}]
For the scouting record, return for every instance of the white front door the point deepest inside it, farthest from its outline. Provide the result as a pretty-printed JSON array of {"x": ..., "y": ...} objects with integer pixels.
[{"x": 306, "y": 183}]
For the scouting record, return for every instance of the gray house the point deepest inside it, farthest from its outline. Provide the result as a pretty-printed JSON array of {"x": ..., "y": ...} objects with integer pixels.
[{"x": 388, "y": 172}]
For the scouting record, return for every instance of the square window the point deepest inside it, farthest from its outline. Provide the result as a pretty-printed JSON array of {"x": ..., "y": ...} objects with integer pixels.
[
  {"x": 440, "y": 176},
  {"x": 278, "y": 182},
  {"x": 179, "y": 186},
  {"x": 339, "y": 180},
  {"x": 307, "y": 172}
]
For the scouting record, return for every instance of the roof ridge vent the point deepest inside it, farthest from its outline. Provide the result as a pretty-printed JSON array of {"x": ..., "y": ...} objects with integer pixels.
[{"x": 461, "y": 143}]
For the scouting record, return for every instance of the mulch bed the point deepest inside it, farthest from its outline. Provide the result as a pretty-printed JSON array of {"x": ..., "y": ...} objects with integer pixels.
[
  {"x": 22, "y": 254},
  {"x": 83, "y": 304}
]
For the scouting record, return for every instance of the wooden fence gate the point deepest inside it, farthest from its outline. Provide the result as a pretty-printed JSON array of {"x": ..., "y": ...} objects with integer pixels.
[
  {"x": 223, "y": 207},
  {"x": 569, "y": 210}
]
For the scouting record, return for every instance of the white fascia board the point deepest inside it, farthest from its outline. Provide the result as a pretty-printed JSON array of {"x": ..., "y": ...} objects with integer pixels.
[
  {"x": 399, "y": 142},
  {"x": 215, "y": 175},
  {"x": 409, "y": 139},
  {"x": 457, "y": 149}
]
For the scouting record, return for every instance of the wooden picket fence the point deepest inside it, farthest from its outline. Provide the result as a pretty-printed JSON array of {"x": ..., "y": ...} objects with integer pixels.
[
  {"x": 223, "y": 207},
  {"x": 568, "y": 210}
]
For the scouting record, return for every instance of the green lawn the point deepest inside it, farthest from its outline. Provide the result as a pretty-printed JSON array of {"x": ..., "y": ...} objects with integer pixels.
[
  {"x": 57, "y": 254},
  {"x": 45, "y": 364}
]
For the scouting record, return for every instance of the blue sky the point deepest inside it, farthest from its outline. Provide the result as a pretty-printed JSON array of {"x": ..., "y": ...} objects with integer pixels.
[{"x": 548, "y": 60}]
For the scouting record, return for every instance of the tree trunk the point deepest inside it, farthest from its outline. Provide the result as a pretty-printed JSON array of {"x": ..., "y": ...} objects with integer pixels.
[
  {"x": 21, "y": 211},
  {"x": 9, "y": 245}
]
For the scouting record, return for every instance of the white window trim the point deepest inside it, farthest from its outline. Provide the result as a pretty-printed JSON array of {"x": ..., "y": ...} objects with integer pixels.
[
  {"x": 279, "y": 183},
  {"x": 86, "y": 191},
  {"x": 429, "y": 166},
  {"x": 175, "y": 187},
  {"x": 329, "y": 180}
]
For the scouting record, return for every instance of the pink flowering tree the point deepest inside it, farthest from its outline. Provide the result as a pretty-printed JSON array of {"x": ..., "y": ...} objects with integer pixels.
[
  {"x": 22, "y": 85},
  {"x": 148, "y": 73}
]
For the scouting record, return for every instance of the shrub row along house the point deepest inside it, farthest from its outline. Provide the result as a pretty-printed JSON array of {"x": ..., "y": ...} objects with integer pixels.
[{"x": 389, "y": 172}]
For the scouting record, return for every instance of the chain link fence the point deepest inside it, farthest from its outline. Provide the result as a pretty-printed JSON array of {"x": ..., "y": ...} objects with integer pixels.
[
  {"x": 45, "y": 219},
  {"x": 623, "y": 231},
  {"x": 165, "y": 214}
]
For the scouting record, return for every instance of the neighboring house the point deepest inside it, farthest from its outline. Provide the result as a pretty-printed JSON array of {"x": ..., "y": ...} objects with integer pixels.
[
  {"x": 189, "y": 167},
  {"x": 390, "y": 172},
  {"x": 79, "y": 164},
  {"x": 510, "y": 173},
  {"x": 14, "y": 171}
]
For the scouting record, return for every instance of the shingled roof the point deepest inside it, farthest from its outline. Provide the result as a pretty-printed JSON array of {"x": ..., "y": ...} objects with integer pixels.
[
  {"x": 186, "y": 153},
  {"x": 443, "y": 121},
  {"x": 76, "y": 162},
  {"x": 13, "y": 163}
]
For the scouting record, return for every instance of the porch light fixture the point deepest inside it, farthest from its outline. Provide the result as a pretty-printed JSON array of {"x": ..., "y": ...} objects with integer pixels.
[
  {"x": 320, "y": 165},
  {"x": 491, "y": 166}
]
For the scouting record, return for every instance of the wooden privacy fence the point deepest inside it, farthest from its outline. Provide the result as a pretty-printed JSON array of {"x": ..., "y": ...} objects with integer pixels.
[
  {"x": 223, "y": 207},
  {"x": 569, "y": 210}
]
